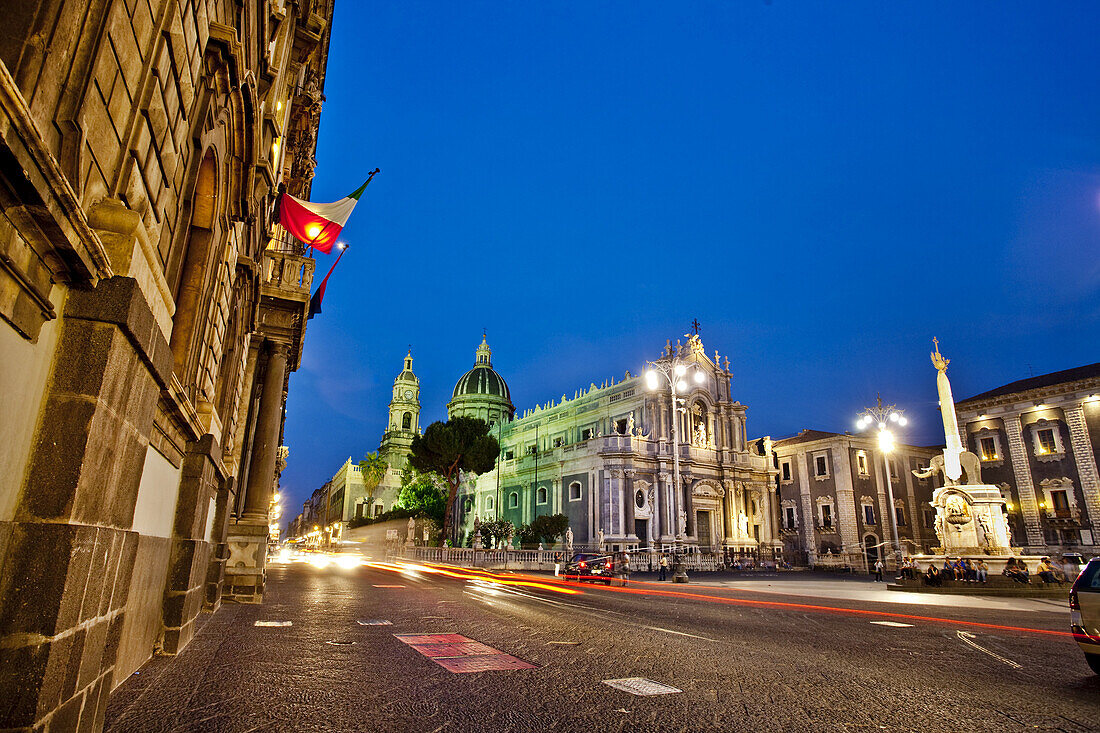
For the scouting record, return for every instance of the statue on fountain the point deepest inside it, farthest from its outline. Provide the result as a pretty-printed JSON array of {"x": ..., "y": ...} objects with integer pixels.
[{"x": 969, "y": 514}]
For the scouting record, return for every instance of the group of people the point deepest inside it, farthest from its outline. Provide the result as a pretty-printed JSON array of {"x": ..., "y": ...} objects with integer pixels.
[{"x": 976, "y": 571}]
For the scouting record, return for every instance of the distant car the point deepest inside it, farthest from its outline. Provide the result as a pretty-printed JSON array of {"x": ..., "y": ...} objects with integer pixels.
[
  {"x": 589, "y": 567},
  {"x": 1084, "y": 613}
]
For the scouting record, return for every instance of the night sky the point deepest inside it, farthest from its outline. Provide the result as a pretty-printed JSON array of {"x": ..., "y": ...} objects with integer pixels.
[{"x": 824, "y": 186}]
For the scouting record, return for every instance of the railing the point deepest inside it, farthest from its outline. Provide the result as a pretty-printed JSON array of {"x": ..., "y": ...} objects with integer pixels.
[
  {"x": 547, "y": 559},
  {"x": 287, "y": 271}
]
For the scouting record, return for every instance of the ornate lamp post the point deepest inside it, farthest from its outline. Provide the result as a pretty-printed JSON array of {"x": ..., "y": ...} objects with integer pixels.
[
  {"x": 673, "y": 370},
  {"x": 881, "y": 416}
]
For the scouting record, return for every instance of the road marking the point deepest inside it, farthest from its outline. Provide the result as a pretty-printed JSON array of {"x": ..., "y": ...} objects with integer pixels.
[
  {"x": 967, "y": 638},
  {"x": 388, "y": 586},
  {"x": 641, "y": 686},
  {"x": 273, "y": 623},
  {"x": 340, "y": 642},
  {"x": 678, "y": 633},
  {"x": 892, "y": 623},
  {"x": 459, "y": 654},
  {"x": 564, "y": 643},
  {"x": 374, "y": 622}
]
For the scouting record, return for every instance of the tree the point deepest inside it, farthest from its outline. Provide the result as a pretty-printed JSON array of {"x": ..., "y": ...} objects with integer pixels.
[
  {"x": 422, "y": 493},
  {"x": 446, "y": 448},
  {"x": 498, "y": 530},
  {"x": 545, "y": 528},
  {"x": 373, "y": 467}
]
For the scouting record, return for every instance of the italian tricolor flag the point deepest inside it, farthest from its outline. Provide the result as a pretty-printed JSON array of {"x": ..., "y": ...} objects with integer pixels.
[{"x": 317, "y": 225}]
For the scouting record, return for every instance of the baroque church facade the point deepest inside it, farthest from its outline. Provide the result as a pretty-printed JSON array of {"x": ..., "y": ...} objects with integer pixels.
[{"x": 604, "y": 459}]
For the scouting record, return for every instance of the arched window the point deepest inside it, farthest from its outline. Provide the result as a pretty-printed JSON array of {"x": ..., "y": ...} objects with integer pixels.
[
  {"x": 191, "y": 277},
  {"x": 540, "y": 495},
  {"x": 488, "y": 503},
  {"x": 575, "y": 491},
  {"x": 407, "y": 421},
  {"x": 513, "y": 500}
]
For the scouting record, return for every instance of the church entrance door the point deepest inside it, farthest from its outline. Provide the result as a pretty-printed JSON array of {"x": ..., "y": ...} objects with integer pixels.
[
  {"x": 641, "y": 529},
  {"x": 702, "y": 528}
]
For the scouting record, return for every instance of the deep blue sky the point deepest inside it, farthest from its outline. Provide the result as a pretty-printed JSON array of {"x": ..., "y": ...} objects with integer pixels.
[{"x": 825, "y": 186}]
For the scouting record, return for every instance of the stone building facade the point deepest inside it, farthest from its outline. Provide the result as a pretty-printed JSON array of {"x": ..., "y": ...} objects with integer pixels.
[
  {"x": 604, "y": 459},
  {"x": 149, "y": 325},
  {"x": 832, "y": 498},
  {"x": 1038, "y": 440}
]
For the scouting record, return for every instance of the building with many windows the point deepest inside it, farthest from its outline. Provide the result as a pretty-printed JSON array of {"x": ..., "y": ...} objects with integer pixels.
[
  {"x": 149, "y": 322},
  {"x": 833, "y": 498},
  {"x": 1038, "y": 440},
  {"x": 604, "y": 459}
]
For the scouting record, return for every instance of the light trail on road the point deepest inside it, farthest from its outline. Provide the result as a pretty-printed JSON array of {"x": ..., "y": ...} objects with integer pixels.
[{"x": 571, "y": 587}]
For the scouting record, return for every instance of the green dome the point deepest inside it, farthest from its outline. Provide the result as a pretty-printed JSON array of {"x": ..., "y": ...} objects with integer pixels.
[{"x": 482, "y": 380}]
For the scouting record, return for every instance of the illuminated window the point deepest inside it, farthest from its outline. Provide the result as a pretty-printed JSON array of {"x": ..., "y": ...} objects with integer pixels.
[
  {"x": 861, "y": 462},
  {"x": 1046, "y": 441},
  {"x": 826, "y": 515},
  {"x": 989, "y": 449}
]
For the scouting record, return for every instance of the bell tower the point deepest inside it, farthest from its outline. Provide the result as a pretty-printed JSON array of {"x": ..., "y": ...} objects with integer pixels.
[{"x": 404, "y": 422}]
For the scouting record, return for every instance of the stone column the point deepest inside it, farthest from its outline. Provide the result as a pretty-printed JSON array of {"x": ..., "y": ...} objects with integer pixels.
[
  {"x": 916, "y": 516},
  {"x": 1086, "y": 464},
  {"x": 846, "y": 503},
  {"x": 265, "y": 448},
  {"x": 668, "y": 506},
  {"x": 628, "y": 503},
  {"x": 246, "y": 540},
  {"x": 809, "y": 538},
  {"x": 1021, "y": 469}
]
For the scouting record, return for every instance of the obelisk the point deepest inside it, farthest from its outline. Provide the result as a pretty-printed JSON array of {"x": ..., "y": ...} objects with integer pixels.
[{"x": 952, "y": 467}]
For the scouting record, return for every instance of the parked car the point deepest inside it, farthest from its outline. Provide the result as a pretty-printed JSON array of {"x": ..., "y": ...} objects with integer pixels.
[
  {"x": 1084, "y": 612},
  {"x": 591, "y": 567}
]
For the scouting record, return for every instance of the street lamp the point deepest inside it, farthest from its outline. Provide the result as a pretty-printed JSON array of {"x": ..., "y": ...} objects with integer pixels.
[
  {"x": 881, "y": 416},
  {"x": 674, "y": 370}
]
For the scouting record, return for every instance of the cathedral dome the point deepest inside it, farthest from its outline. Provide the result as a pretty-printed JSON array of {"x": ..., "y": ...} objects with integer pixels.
[
  {"x": 481, "y": 392},
  {"x": 482, "y": 380}
]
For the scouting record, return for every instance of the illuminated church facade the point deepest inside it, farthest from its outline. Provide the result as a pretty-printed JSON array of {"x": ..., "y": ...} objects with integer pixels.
[{"x": 604, "y": 459}]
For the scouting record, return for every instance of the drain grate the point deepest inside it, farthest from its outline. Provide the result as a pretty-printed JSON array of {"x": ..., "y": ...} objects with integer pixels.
[
  {"x": 464, "y": 649},
  {"x": 374, "y": 622},
  {"x": 641, "y": 686}
]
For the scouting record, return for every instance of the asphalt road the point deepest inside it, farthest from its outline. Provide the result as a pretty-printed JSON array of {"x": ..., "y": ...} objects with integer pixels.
[{"x": 743, "y": 659}]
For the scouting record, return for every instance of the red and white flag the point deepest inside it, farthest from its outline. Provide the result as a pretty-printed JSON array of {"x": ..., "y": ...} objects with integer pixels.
[{"x": 317, "y": 225}]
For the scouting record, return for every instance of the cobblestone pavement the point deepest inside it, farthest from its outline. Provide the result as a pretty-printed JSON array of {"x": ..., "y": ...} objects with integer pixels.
[{"x": 744, "y": 660}]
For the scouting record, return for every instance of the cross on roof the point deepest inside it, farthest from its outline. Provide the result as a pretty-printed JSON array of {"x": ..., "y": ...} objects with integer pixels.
[{"x": 695, "y": 326}]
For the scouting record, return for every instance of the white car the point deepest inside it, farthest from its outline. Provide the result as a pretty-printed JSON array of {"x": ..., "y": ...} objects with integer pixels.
[{"x": 1084, "y": 612}]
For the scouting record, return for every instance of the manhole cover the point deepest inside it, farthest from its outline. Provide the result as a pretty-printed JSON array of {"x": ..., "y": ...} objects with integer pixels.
[
  {"x": 273, "y": 623},
  {"x": 340, "y": 642},
  {"x": 641, "y": 686},
  {"x": 374, "y": 622},
  {"x": 485, "y": 663},
  {"x": 465, "y": 649}
]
